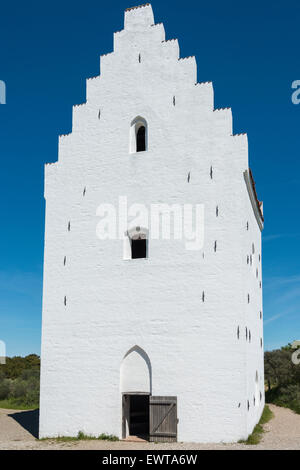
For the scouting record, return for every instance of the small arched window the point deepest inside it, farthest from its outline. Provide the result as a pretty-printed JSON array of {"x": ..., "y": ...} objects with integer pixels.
[{"x": 138, "y": 135}]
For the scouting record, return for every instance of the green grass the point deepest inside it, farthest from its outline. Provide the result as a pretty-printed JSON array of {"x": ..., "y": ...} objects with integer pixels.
[
  {"x": 11, "y": 404},
  {"x": 258, "y": 431},
  {"x": 82, "y": 437}
]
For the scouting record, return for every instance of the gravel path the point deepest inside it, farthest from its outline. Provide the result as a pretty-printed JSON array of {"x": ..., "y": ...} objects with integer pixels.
[{"x": 18, "y": 430}]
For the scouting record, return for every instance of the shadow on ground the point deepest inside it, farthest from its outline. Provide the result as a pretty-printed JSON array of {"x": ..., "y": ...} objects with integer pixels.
[{"x": 29, "y": 420}]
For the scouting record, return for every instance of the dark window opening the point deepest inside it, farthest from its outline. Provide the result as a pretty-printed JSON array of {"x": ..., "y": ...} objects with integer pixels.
[
  {"x": 139, "y": 248},
  {"x": 141, "y": 139},
  {"x": 139, "y": 416}
]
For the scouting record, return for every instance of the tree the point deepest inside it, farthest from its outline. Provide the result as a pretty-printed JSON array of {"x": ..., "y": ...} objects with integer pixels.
[
  {"x": 283, "y": 378},
  {"x": 279, "y": 368}
]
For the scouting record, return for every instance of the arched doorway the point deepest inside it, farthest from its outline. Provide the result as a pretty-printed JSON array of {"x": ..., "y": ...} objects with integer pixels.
[{"x": 135, "y": 384}]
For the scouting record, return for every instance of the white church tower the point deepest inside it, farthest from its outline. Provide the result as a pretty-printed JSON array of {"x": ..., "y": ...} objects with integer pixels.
[{"x": 151, "y": 335}]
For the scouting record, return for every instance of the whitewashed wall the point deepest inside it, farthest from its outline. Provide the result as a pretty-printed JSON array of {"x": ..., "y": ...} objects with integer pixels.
[{"x": 96, "y": 305}]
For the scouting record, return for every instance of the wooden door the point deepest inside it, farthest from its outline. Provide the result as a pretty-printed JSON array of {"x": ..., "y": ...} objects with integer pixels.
[{"x": 163, "y": 419}]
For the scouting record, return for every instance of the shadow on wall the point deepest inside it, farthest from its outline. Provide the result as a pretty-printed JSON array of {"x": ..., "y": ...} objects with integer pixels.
[{"x": 29, "y": 420}]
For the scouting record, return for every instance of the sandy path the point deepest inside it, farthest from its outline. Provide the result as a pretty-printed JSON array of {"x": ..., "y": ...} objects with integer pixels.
[
  {"x": 283, "y": 431},
  {"x": 17, "y": 430}
]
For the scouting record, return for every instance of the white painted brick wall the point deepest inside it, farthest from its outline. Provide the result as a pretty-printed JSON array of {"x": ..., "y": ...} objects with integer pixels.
[{"x": 156, "y": 303}]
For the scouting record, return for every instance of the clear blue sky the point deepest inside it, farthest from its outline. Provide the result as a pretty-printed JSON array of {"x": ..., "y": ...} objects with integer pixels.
[{"x": 250, "y": 50}]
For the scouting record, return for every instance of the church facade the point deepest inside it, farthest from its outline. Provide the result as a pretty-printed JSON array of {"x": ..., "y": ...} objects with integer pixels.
[{"x": 147, "y": 335}]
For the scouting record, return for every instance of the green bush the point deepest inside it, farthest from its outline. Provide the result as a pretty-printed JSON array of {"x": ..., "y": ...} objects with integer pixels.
[
  {"x": 20, "y": 382},
  {"x": 15, "y": 366},
  {"x": 287, "y": 396},
  {"x": 4, "y": 389},
  {"x": 18, "y": 389}
]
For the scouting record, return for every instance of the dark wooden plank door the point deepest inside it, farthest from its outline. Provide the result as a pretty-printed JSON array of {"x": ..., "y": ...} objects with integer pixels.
[{"x": 163, "y": 419}]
